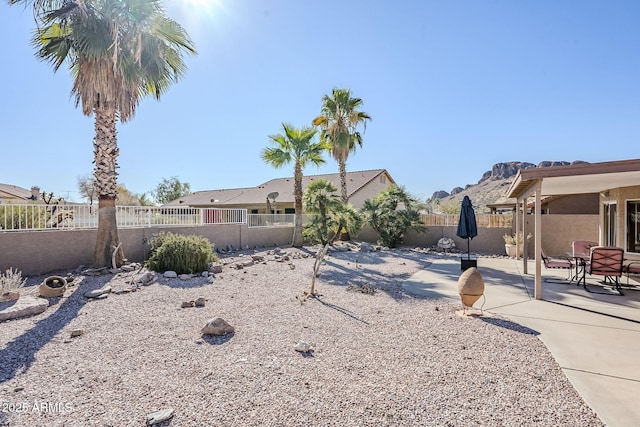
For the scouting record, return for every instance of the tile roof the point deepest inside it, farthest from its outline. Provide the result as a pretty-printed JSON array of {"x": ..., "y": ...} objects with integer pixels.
[
  {"x": 14, "y": 190},
  {"x": 282, "y": 186}
]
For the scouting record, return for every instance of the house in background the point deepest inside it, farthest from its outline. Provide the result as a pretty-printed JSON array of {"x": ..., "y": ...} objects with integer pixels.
[
  {"x": 276, "y": 195},
  {"x": 10, "y": 194}
]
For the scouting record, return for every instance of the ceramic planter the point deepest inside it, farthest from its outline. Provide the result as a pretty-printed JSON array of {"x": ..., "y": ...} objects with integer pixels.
[{"x": 53, "y": 286}]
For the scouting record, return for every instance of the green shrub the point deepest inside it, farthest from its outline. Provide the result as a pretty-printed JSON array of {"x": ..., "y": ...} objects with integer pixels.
[
  {"x": 391, "y": 214},
  {"x": 180, "y": 253}
]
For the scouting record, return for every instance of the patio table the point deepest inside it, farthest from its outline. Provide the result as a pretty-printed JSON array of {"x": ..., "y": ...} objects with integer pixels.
[{"x": 580, "y": 261}]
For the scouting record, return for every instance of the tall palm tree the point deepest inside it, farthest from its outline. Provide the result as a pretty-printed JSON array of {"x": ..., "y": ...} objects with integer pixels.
[
  {"x": 297, "y": 146},
  {"x": 339, "y": 121},
  {"x": 118, "y": 51}
]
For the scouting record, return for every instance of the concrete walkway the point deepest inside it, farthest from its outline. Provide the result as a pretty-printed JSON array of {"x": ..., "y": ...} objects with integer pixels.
[{"x": 594, "y": 338}]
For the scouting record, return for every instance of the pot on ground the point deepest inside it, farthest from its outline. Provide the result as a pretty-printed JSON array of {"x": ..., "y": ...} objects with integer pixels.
[
  {"x": 53, "y": 286},
  {"x": 511, "y": 250}
]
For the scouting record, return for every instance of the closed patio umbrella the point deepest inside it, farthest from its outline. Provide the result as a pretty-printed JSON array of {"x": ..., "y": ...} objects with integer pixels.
[{"x": 467, "y": 227}]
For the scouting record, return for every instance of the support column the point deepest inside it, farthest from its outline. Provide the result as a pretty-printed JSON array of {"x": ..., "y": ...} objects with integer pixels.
[{"x": 538, "y": 243}]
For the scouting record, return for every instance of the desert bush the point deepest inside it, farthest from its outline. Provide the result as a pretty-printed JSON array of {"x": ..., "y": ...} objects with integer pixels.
[
  {"x": 391, "y": 214},
  {"x": 180, "y": 253},
  {"x": 11, "y": 280}
]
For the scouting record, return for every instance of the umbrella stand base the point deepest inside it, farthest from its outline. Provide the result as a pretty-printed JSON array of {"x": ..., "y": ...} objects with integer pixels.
[{"x": 468, "y": 263}]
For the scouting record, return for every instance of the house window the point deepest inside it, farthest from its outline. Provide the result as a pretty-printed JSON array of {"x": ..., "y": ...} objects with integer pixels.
[
  {"x": 289, "y": 210},
  {"x": 633, "y": 226},
  {"x": 609, "y": 226},
  {"x": 383, "y": 179}
]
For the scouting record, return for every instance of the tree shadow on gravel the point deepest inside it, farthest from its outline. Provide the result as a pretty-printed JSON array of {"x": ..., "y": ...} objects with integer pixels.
[
  {"x": 339, "y": 309},
  {"x": 507, "y": 324},
  {"x": 389, "y": 283},
  {"x": 19, "y": 354}
]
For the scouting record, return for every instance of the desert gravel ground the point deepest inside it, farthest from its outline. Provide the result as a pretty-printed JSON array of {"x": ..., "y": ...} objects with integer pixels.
[{"x": 379, "y": 357}]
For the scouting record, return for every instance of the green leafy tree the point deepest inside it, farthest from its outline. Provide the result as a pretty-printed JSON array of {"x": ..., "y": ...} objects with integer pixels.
[
  {"x": 128, "y": 198},
  {"x": 320, "y": 198},
  {"x": 117, "y": 51},
  {"x": 144, "y": 200},
  {"x": 339, "y": 122},
  {"x": 170, "y": 189},
  {"x": 295, "y": 146},
  {"x": 451, "y": 207},
  {"x": 391, "y": 214}
]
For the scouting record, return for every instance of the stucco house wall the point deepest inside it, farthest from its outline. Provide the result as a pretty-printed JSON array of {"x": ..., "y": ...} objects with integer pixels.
[
  {"x": 585, "y": 204},
  {"x": 371, "y": 189}
]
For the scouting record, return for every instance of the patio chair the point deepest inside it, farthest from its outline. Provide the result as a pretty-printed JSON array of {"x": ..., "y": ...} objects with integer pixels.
[
  {"x": 605, "y": 261},
  {"x": 632, "y": 268},
  {"x": 582, "y": 247},
  {"x": 557, "y": 263}
]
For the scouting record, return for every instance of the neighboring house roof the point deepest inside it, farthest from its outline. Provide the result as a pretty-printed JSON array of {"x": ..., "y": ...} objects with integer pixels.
[
  {"x": 8, "y": 191},
  {"x": 283, "y": 186}
]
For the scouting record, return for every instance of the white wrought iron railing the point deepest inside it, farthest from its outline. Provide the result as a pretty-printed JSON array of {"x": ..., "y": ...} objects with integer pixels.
[
  {"x": 224, "y": 216},
  {"x": 270, "y": 220},
  {"x": 33, "y": 216}
]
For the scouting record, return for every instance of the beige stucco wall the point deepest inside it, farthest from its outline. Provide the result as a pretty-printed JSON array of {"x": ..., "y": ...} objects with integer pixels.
[
  {"x": 371, "y": 189},
  {"x": 42, "y": 252},
  {"x": 574, "y": 204},
  {"x": 558, "y": 231}
]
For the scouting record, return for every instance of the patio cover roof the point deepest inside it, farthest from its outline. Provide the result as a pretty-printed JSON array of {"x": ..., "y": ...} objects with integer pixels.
[{"x": 574, "y": 179}]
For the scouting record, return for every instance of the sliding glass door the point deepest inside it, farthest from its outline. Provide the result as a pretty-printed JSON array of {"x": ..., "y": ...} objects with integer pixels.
[{"x": 633, "y": 226}]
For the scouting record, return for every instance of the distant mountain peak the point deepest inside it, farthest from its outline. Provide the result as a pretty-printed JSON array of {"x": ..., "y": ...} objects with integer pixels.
[{"x": 492, "y": 186}]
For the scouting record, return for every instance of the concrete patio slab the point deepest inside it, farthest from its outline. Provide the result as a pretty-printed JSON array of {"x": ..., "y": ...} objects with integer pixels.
[{"x": 594, "y": 338}]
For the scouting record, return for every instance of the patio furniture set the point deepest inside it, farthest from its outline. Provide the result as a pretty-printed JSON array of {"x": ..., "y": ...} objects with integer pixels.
[{"x": 587, "y": 257}]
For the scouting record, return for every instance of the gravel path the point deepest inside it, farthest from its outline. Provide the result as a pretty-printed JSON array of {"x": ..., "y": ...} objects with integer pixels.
[{"x": 380, "y": 357}]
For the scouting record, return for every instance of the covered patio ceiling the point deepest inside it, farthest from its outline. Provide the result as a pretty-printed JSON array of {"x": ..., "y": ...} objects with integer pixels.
[
  {"x": 582, "y": 178},
  {"x": 576, "y": 179}
]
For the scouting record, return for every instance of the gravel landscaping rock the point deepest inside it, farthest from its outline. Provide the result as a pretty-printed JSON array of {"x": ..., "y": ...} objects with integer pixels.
[{"x": 380, "y": 358}]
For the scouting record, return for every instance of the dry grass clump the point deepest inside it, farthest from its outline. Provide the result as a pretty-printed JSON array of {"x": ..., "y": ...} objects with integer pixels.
[{"x": 11, "y": 280}]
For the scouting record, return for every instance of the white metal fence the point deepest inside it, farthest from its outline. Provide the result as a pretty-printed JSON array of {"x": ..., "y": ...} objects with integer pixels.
[
  {"x": 28, "y": 216},
  {"x": 31, "y": 217}
]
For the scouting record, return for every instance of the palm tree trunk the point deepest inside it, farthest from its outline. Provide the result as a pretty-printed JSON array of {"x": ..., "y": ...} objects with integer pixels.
[
  {"x": 344, "y": 236},
  {"x": 297, "y": 194},
  {"x": 105, "y": 152},
  {"x": 342, "y": 164}
]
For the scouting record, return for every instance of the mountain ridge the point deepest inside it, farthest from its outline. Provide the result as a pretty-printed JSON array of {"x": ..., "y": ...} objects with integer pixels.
[{"x": 492, "y": 187}]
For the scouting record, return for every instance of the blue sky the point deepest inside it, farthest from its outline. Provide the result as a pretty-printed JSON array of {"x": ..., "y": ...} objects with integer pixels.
[{"x": 452, "y": 87}]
